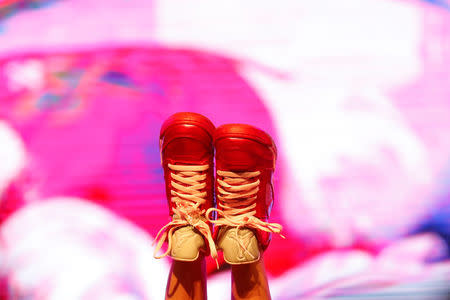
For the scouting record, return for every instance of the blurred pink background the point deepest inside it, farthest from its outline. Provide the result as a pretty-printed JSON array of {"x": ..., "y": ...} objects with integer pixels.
[{"x": 356, "y": 94}]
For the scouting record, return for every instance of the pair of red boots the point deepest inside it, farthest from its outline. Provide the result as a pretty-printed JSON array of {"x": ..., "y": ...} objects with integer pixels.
[{"x": 245, "y": 160}]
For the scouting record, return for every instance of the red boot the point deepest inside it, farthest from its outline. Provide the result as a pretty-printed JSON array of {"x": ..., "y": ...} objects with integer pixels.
[
  {"x": 245, "y": 161},
  {"x": 187, "y": 158}
]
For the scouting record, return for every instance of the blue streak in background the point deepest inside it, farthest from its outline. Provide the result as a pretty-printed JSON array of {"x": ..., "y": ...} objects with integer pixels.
[
  {"x": 442, "y": 3},
  {"x": 117, "y": 78},
  {"x": 9, "y": 10},
  {"x": 439, "y": 220}
]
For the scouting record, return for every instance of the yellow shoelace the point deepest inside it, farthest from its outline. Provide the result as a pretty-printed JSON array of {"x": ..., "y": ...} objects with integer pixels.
[
  {"x": 237, "y": 193},
  {"x": 187, "y": 185}
]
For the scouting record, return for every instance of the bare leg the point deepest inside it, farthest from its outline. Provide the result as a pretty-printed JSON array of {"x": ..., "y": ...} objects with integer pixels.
[
  {"x": 249, "y": 281},
  {"x": 187, "y": 280}
]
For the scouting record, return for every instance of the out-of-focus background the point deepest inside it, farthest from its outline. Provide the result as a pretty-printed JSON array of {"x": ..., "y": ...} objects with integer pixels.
[{"x": 356, "y": 94}]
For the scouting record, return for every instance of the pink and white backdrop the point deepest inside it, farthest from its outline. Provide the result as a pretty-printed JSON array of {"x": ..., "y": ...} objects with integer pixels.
[{"x": 356, "y": 94}]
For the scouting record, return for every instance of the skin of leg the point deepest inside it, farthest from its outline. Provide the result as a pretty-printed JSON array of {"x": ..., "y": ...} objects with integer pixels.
[
  {"x": 187, "y": 280},
  {"x": 249, "y": 281}
]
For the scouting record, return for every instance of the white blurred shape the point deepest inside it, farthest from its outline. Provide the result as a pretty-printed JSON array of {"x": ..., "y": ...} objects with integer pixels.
[
  {"x": 320, "y": 270},
  {"x": 292, "y": 35},
  {"x": 29, "y": 74},
  {"x": 12, "y": 155},
  {"x": 332, "y": 272},
  {"x": 416, "y": 249},
  {"x": 67, "y": 248}
]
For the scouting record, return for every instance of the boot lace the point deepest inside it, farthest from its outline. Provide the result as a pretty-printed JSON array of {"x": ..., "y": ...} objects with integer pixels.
[
  {"x": 188, "y": 184},
  {"x": 237, "y": 193}
]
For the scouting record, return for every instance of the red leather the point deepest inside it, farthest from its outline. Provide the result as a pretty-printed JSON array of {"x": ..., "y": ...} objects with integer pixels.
[
  {"x": 243, "y": 148},
  {"x": 186, "y": 139}
]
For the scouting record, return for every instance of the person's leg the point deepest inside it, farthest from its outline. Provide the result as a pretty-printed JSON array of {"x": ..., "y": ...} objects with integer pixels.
[
  {"x": 187, "y": 280},
  {"x": 245, "y": 162},
  {"x": 187, "y": 157},
  {"x": 249, "y": 281}
]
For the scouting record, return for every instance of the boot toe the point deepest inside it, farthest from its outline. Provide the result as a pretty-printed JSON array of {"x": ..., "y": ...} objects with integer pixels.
[
  {"x": 186, "y": 244},
  {"x": 239, "y": 246}
]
